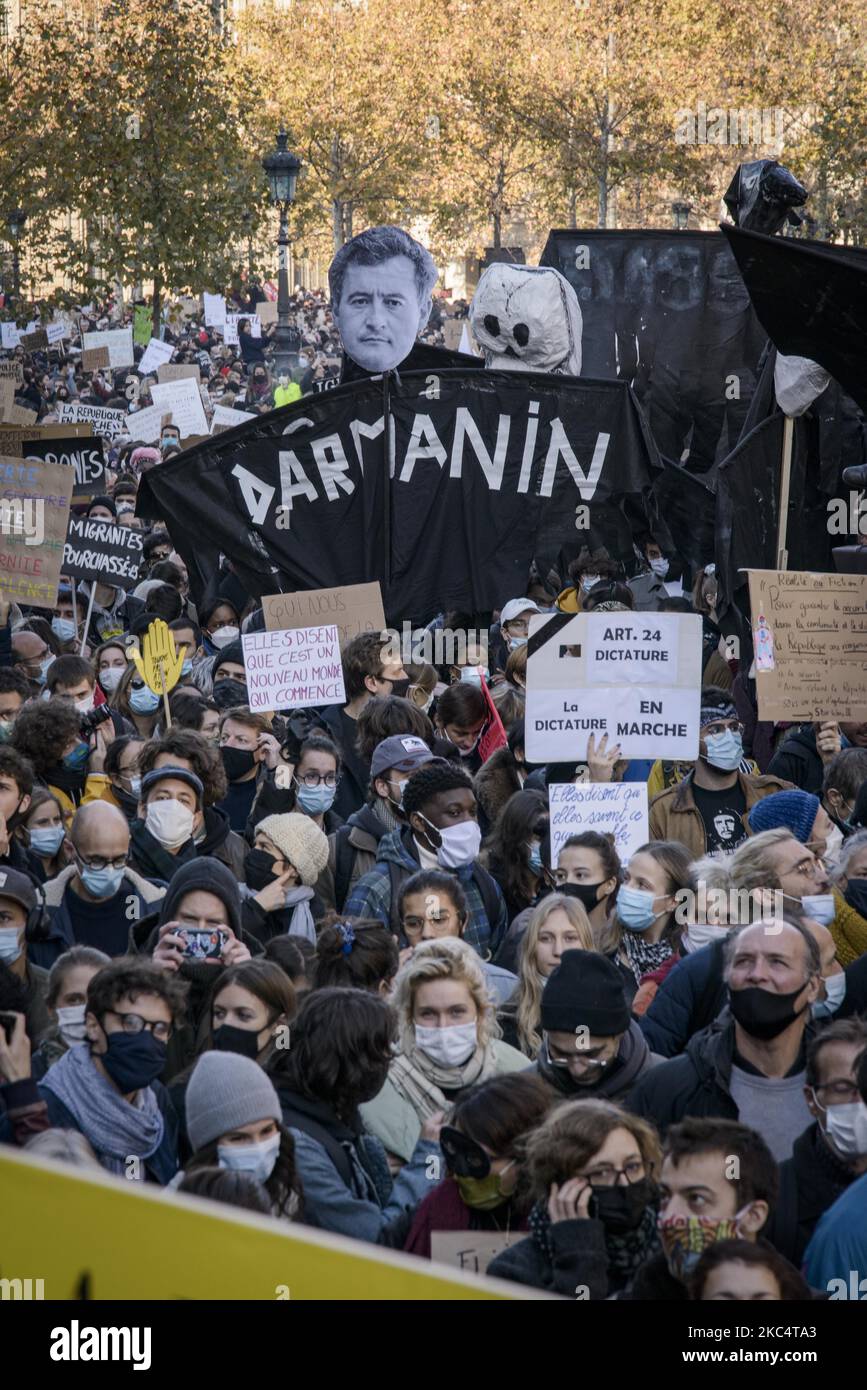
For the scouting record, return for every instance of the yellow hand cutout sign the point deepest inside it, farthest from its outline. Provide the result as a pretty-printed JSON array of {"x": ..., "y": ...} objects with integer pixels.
[{"x": 158, "y": 653}]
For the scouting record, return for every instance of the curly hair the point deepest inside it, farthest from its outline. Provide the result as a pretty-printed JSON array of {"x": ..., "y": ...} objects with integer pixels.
[
  {"x": 43, "y": 731},
  {"x": 129, "y": 977},
  {"x": 446, "y": 958},
  {"x": 434, "y": 777},
  {"x": 17, "y": 768},
  {"x": 386, "y": 716},
  {"x": 189, "y": 746},
  {"x": 341, "y": 1049},
  {"x": 574, "y": 1132}
]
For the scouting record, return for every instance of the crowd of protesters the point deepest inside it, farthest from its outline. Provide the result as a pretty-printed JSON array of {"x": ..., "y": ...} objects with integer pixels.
[{"x": 320, "y": 964}]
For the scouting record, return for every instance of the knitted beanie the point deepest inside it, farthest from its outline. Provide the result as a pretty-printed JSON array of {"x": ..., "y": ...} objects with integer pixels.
[
  {"x": 206, "y": 875},
  {"x": 793, "y": 810},
  {"x": 586, "y": 990},
  {"x": 225, "y": 1091},
  {"x": 300, "y": 841}
]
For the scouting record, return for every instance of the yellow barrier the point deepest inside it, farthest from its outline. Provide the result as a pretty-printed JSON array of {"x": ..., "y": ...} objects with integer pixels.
[{"x": 89, "y": 1235}]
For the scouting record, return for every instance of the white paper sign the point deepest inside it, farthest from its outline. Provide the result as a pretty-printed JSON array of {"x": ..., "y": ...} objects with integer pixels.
[
  {"x": 616, "y": 808},
  {"x": 215, "y": 310},
  {"x": 230, "y": 329},
  {"x": 56, "y": 333},
  {"x": 225, "y": 417},
  {"x": 119, "y": 344},
  {"x": 10, "y": 335},
  {"x": 104, "y": 421},
  {"x": 634, "y": 676},
  {"x": 155, "y": 355},
  {"x": 146, "y": 424},
  {"x": 293, "y": 669},
  {"x": 183, "y": 400}
]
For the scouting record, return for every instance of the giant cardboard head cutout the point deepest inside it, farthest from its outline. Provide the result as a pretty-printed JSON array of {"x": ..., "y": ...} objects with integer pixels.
[
  {"x": 527, "y": 318},
  {"x": 381, "y": 283}
]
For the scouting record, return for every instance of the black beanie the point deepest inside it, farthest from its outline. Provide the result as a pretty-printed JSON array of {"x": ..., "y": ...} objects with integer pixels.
[
  {"x": 234, "y": 652},
  {"x": 207, "y": 875},
  {"x": 585, "y": 991}
]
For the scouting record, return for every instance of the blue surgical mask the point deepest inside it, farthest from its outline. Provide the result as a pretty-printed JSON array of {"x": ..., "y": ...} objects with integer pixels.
[
  {"x": 256, "y": 1159},
  {"x": 10, "y": 946},
  {"x": 635, "y": 909},
  {"x": 144, "y": 701},
  {"x": 47, "y": 841},
  {"x": 186, "y": 665},
  {"x": 725, "y": 751},
  {"x": 536, "y": 859},
  {"x": 77, "y": 759},
  {"x": 63, "y": 629},
  {"x": 43, "y": 670},
  {"x": 474, "y": 675},
  {"x": 835, "y": 993},
  {"x": 821, "y": 907},
  {"x": 102, "y": 883},
  {"x": 516, "y": 642},
  {"x": 315, "y": 800},
  {"x": 168, "y": 442}
]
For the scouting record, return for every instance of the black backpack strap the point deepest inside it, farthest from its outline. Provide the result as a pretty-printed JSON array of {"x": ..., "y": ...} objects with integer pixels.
[{"x": 335, "y": 1150}]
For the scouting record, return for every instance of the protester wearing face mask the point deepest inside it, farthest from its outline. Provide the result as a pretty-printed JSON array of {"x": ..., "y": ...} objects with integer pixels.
[
  {"x": 483, "y": 1144},
  {"x": 474, "y": 668},
  {"x": 188, "y": 635},
  {"x": 432, "y": 904},
  {"x": 19, "y": 904},
  {"x": 340, "y": 1057},
  {"x": 247, "y": 747},
  {"x": 556, "y": 925},
  {"x": 706, "y": 811},
  {"x": 441, "y": 831},
  {"x": 659, "y": 579},
  {"x": 844, "y": 776},
  {"x": 47, "y": 733},
  {"x": 170, "y": 813},
  {"x": 315, "y": 782},
  {"x": 32, "y": 656},
  {"x": 43, "y": 831},
  {"x": 353, "y": 846},
  {"x": 514, "y": 628},
  {"x": 14, "y": 692},
  {"x": 234, "y": 1122},
  {"x": 16, "y": 790},
  {"x": 461, "y": 717},
  {"x": 592, "y": 564},
  {"x": 448, "y": 1040},
  {"x": 718, "y": 1182},
  {"x": 832, "y": 1152},
  {"x": 107, "y": 1087},
  {"x": 849, "y": 879},
  {"x": 592, "y": 1171},
  {"x": 805, "y": 816},
  {"x": 138, "y": 704},
  {"x": 65, "y": 998},
  {"x": 73, "y": 678},
  {"x": 643, "y": 932},
  {"x": 220, "y": 626},
  {"x": 422, "y": 685},
  {"x": 111, "y": 663},
  {"x": 281, "y": 870},
  {"x": 752, "y": 1068},
  {"x": 839, "y": 1243},
  {"x": 514, "y": 855},
  {"x": 98, "y": 898},
  {"x": 228, "y": 677},
  {"x": 124, "y": 778},
  {"x": 64, "y": 624},
  {"x": 113, "y": 610}
]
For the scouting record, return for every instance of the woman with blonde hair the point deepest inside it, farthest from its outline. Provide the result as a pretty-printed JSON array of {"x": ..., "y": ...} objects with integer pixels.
[
  {"x": 448, "y": 1040},
  {"x": 592, "y": 1169},
  {"x": 557, "y": 924}
]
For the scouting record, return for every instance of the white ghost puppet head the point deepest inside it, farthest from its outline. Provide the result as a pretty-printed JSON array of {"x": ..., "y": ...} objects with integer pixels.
[{"x": 527, "y": 318}]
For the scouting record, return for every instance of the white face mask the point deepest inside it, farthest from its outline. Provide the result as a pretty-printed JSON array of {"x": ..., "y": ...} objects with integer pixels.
[
  {"x": 846, "y": 1127},
  {"x": 256, "y": 1159},
  {"x": 85, "y": 704},
  {"x": 820, "y": 906},
  {"x": 169, "y": 822},
  {"x": 448, "y": 1047},
  {"x": 460, "y": 844},
  {"x": 833, "y": 843},
  {"x": 109, "y": 679},
  {"x": 224, "y": 635},
  {"x": 835, "y": 993},
  {"x": 660, "y": 566},
  {"x": 10, "y": 946},
  {"x": 702, "y": 934},
  {"x": 71, "y": 1024},
  {"x": 587, "y": 582}
]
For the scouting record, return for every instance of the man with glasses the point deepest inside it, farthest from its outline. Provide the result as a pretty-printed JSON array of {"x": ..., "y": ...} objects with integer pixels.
[
  {"x": 107, "y": 1087},
  {"x": 832, "y": 1152},
  {"x": 591, "y": 1046},
  {"x": 98, "y": 899},
  {"x": 706, "y": 811}
]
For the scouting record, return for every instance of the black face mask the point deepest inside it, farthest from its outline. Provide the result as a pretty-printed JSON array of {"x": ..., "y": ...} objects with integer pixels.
[
  {"x": 230, "y": 692},
  {"x": 400, "y": 688},
  {"x": 586, "y": 893},
  {"x": 621, "y": 1208},
  {"x": 244, "y": 1041},
  {"x": 126, "y": 801},
  {"x": 258, "y": 869},
  {"x": 134, "y": 1060},
  {"x": 237, "y": 762},
  {"x": 856, "y": 895},
  {"x": 762, "y": 1014}
]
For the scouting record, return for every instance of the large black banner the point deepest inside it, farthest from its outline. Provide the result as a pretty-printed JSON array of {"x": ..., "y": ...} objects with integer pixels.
[
  {"x": 667, "y": 312},
  {"x": 488, "y": 470}
]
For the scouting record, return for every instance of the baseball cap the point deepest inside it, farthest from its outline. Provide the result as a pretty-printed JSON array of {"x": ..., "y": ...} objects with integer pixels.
[
  {"x": 405, "y": 752},
  {"x": 18, "y": 888},
  {"x": 179, "y": 774},
  {"x": 518, "y": 605}
]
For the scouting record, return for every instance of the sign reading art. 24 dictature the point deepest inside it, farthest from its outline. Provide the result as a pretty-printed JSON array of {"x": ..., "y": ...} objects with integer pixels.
[{"x": 633, "y": 676}]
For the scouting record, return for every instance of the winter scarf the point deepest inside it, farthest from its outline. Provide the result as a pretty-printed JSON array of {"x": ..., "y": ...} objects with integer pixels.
[
  {"x": 421, "y": 1083},
  {"x": 644, "y": 956},
  {"x": 115, "y": 1128}
]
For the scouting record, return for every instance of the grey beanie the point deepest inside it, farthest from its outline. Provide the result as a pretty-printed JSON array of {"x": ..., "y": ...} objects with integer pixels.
[{"x": 227, "y": 1090}]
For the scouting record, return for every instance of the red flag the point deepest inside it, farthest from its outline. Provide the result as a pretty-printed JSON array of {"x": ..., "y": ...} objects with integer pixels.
[{"x": 494, "y": 735}]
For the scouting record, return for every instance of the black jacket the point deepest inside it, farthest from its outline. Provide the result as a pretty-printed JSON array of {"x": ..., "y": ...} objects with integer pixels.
[
  {"x": 796, "y": 760},
  {"x": 355, "y": 774},
  {"x": 810, "y": 1182},
  {"x": 689, "y": 999}
]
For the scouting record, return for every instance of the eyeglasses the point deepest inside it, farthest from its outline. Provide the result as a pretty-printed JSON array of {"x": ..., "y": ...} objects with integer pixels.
[
  {"x": 312, "y": 779},
  {"x": 606, "y": 1175},
  {"x": 589, "y": 1063},
  {"x": 98, "y": 861},
  {"x": 134, "y": 1023},
  {"x": 808, "y": 868},
  {"x": 724, "y": 726},
  {"x": 838, "y": 1092}
]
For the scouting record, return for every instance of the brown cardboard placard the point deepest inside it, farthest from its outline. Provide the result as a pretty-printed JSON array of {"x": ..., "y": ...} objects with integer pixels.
[
  {"x": 13, "y": 436},
  {"x": 7, "y": 392},
  {"x": 470, "y": 1250},
  {"x": 809, "y": 645},
  {"x": 267, "y": 311},
  {"x": 94, "y": 359},
  {"x": 12, "y": 414},
  {"x": 31, "y": 558},
  {"x": 11, "y": 367},
  {"x": 32, "y": 342},
  {"x": 353, "y": 608},
  {"x": 178, "y": 371}
]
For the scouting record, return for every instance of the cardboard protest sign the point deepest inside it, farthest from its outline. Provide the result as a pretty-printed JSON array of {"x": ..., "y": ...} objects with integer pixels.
[
  {"x": 155, "y": 355},
  {"x": 13, "y": 437},
  {"x": 32, "y": 342},
  {"x": 293, "y": 669},
  {"x": 104, "y": 551},
  {"x": 104, "y": 421},
  {"x": 470, "y": 1250},
  {"x": 353, "y": 608},
  {"x": 225, "y": 417},
  {"x": 453, "y": 332},
  {"x": 34, "y": 502},
  {"x": 267, "y": 311},
  {"x": 119, "y": 344},
  {"x": 810, "y": 645},
  {"x": 13, "y": 369},
  {"x": 84, "y": 455},
  {"x": 7, "y": 392},
  {"x": 634, "y": 676},
  {"x": 182, "y": 400},
  {"x": 146, "y": 424},
  {"x": 215, "y": 310},
  {"x": 141, "y": 328},
  {"x": 178, "y": 371},
  {"x": 18, "y": 415},
  {"x": 95, "y": 359},
  {"x": 615, "y": 808}
]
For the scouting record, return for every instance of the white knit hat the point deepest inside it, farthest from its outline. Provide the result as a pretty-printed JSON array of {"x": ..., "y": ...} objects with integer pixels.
[{"x": 300, "y": 841}]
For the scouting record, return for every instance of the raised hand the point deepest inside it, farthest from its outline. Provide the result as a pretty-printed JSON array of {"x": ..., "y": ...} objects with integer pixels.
[{"x": 158, "y": 648}]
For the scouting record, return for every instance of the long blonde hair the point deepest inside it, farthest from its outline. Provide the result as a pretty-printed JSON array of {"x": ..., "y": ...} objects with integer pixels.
[
  {"x": 529, "y": 997},
  {"x": 445, "y": 958}
]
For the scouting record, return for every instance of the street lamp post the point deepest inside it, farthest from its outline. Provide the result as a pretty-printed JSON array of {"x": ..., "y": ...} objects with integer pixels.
[
  {"x": 15, "y": 222},
  {"x": 282, "y": 168},
  {"x": 681, "y": 213}
]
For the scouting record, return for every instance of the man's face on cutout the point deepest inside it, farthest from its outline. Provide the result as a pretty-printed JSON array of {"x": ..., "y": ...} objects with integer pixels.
[{"x": 379, "y": 316}]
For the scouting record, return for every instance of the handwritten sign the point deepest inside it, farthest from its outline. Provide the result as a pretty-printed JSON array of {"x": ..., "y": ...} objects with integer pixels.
[
  {"x": 155, "y": 355},
  {"x": 634, "y": 676},
  {"x": 104, "y": 421},
  {"x": 103, "y": 550},
  {"x": 810, "y": 645},
  {"x": 470, "y": 1250},
  {"x": 611, "y": 808},
  {"x": 34, "y": 503},
  {"x": 13, "y": 369},
  {"x": 17, "y": 415},
  {"x": 14, "y": 438},
  {"x": 95, "y": 359},
  {"x": 179, "y": 371},
  {"x": 225, "y": 417},
  {"x": 293, "y": 669},
  {"x": 182, "y": 400},
  {"x": 84, "y": 455},
  {"x": 230, "y": 328},
  {"x": 119, "y": 344},
  {"x": 267, "y": 311},
  {"x": 353, "y": 608}
]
